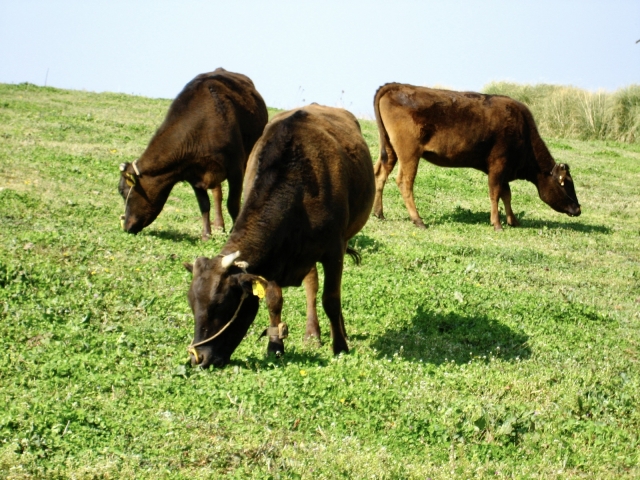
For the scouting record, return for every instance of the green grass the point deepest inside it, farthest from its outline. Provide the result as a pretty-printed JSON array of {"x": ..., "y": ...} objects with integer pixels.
[{"x": 474, "y": 354}]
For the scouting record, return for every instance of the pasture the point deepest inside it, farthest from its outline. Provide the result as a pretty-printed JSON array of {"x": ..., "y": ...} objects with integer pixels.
[{"x": 474, "y": 354}]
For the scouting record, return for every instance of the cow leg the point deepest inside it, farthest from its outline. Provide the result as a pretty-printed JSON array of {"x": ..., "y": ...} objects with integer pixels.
[
  {"x": 273, "y": 297},
  {"x": 407, "y": 171},
  {"x": 494, "y": 195},
  {"x": 505, "y": 195},
  {"x": 205, "y": 206},
  {"x": 218, "y": 220},
  {"x": 235, "y": 194},
  {"x": 381, "y": 171},
  {"x": 331, "y": 300},
  {"x": 311, "y": 291}
]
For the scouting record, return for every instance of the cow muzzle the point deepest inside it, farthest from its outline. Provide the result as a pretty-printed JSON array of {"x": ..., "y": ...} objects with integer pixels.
[
  {"x": 203, "y": 357},
  {"x": 574, "y": 212}
]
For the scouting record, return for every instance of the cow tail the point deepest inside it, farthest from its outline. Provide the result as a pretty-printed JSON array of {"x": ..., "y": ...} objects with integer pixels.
[
  {"x": 386, "y": 150},
  {"x": 355, "y": 256}
]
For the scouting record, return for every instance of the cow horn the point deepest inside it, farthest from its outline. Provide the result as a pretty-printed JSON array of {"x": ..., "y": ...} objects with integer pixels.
[
  {"x": 123, "y": 167},
  {"x": 242, "y": 265},
  {"x": 227, "y": 260}
]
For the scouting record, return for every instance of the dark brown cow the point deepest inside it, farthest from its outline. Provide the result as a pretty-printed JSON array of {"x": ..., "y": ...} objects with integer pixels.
[
  {"x": 205, "y": 139},
  {"x": 309, "y": 189},
  {"x": 491, "y": 133}
]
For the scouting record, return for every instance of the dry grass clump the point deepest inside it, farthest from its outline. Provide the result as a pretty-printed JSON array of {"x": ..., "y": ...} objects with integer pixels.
[{"x": 570, "y": 112}]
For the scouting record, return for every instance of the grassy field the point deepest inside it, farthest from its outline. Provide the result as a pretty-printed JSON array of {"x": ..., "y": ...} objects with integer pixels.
[{"x": 474, "y": 354}]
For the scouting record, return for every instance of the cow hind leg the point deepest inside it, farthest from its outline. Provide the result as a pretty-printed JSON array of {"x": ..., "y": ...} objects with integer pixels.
[
  {"x": 407, "y": 171},
  {"x": 218, "y": 219},
  {"x": 505, "y": 195},
  {"x": 331, "y": 301},
  {"x": 235, "y": 194},
  {"x": 381, "y": 171},
  {"x": 312, "y": 332},
  {"x": 205, "y": 207}
]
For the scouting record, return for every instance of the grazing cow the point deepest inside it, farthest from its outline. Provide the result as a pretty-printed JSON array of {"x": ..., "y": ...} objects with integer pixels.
[
  {"x": 205, "y": 139},
  {"x": 309, "y": 189},
  {"x": 491, "y": 133}
]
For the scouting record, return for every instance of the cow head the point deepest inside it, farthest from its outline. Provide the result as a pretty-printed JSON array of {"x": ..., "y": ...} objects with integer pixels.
[
  {"x": 221, "y": 298},
  {"x": 556, "y": 189},
  {"x": 139, "y": 210}
]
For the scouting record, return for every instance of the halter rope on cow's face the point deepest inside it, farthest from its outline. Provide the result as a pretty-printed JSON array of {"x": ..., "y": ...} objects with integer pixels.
[{"x": 131, "y": 180}]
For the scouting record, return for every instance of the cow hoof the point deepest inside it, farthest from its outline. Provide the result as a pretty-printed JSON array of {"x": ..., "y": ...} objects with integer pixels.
[
  {"x": 340, "y": 348},
  {"x": 313, "y": 339},
  {"x": 497, "y": 228},
  {"x": 276, "y": 349},
  {"x": 379, "y": 216},
  {"x": 420, "y": 224}
]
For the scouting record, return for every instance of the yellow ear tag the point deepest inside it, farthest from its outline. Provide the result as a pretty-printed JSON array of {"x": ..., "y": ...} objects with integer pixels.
[{"x": 258, "y": 289}]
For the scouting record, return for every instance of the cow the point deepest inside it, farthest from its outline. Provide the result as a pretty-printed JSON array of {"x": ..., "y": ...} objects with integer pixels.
[
  {"x": 206, "y": 138},
  {"x": 491, "y": 133},
  {"x": 309, "y": 189}
]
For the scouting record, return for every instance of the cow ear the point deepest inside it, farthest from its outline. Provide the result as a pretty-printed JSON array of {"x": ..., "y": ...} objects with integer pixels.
[
  {"x": 560, "y": 172},
  {"x": 188, "y": 266},
  {"x": 251, "y": 284},
  {"x": 130, "y": 178}
]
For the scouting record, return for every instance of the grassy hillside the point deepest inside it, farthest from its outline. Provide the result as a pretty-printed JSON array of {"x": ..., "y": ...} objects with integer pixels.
[{"x": 473, "y": 353}]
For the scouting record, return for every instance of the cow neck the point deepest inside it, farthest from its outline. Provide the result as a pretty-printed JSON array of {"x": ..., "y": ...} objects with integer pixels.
[
  {"x": 256, "y": 248},
  {"x": 541, "y": 153}
]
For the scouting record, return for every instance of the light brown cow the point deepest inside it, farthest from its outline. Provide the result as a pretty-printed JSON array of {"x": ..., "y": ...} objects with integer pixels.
[{"x": 491, "y": 133}]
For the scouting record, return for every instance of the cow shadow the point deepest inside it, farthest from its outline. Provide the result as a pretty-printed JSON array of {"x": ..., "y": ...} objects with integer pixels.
[
  {"x": 175, "y": 236},
  {"x": 362, "y": 242},
  {"x": 437, "y": 338},
  {"x": 293, "y": 355},
  {"x": 465, "y": 215}
]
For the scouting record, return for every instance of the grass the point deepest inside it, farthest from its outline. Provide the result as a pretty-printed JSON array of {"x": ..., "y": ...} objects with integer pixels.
[{"x": 473, "y": 353}]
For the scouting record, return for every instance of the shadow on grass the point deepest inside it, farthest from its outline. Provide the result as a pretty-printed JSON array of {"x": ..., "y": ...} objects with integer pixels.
[
  {"x": 362, "y": 242},
  {"x": 292, "y": 355},
  {"x": 437, "y": 338},
  {"x": 175, "y": 236},
  {"x": 464, "y": 215}
]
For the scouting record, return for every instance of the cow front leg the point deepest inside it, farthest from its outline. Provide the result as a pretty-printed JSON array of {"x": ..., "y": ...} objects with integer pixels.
[
  {"x": 273, "y": 297},
  {"x": 311, "y": 291},
  {"x": 332, "y": 303},
  {"x": 505, "y": 195},
  {"x": 205, "y": 207},
  {"x": 494, "y": 196},
  {"x": 218, "y": 219}
]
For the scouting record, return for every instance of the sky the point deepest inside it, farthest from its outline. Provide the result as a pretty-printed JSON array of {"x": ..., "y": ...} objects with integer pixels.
[{"x": 335, "y": 53}]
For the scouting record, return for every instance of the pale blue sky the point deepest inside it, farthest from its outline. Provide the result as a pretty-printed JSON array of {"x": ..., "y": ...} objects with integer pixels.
[{"x": 331, "y": 52}]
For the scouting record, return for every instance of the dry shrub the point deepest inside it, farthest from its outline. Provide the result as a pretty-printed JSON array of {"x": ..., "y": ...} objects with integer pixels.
[{"x": 570, "y": 112}]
